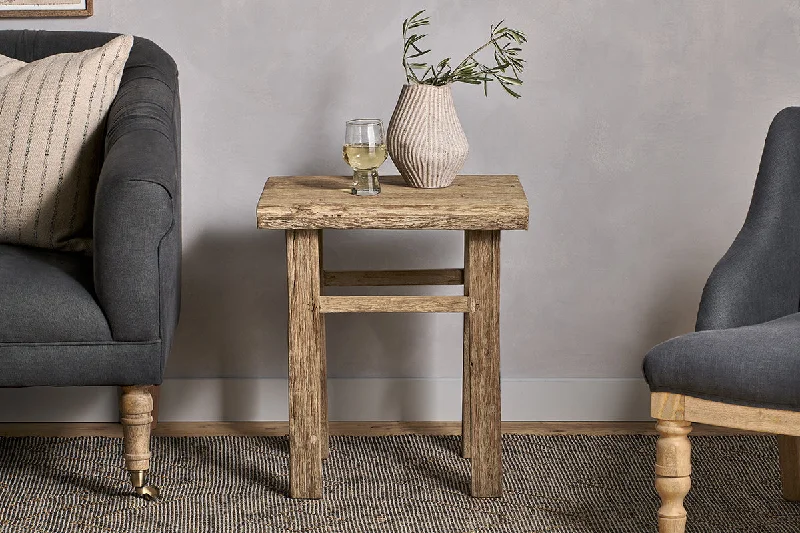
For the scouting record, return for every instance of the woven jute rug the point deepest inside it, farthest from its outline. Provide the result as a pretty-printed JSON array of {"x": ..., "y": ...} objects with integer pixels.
[{"x": 392, "y": 484}]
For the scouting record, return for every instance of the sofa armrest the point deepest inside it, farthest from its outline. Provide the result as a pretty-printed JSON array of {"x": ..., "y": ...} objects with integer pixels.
[
  {"x": 137, "y": 231},
  {"x": 134, "y": 211}
]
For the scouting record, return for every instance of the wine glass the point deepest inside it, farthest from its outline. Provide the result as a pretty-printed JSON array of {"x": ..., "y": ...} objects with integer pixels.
[{"x": 364, "y": 150}]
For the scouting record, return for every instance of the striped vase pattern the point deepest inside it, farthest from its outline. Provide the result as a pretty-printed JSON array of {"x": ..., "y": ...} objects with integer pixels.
[{"x": 425, "y": 139}]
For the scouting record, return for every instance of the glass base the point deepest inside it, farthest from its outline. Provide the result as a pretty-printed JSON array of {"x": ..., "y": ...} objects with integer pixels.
[{"x": 365, "y": 183}]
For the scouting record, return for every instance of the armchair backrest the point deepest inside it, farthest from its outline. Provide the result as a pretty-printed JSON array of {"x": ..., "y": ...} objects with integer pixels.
[{"x": 758, "y": 279}]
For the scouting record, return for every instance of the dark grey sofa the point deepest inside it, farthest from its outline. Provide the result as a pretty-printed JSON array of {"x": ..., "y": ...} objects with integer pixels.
[{"x": 108, "y": 319}]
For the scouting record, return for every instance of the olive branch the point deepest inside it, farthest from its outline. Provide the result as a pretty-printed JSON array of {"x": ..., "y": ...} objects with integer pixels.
[{"x": 508, "y": 65}]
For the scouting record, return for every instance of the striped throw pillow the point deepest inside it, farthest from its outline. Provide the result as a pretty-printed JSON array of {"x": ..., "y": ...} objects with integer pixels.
[{"x": 52, "y": 124}]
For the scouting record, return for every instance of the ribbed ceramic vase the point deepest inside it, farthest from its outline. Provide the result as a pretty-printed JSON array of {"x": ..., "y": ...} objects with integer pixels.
[{"x": 425, "y": 139}]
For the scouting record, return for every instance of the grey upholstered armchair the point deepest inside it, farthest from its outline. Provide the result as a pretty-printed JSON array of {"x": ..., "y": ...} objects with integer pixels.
[
  {"x": 741, "y": 368},
  {"x": 108, "y": 319}
]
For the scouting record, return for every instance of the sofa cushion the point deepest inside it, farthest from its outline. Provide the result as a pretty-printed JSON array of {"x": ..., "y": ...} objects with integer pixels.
[
  {"x": 755, "y": 365},
  {"x": 47, "y": 298},
  {"x": 52, "y": 125}
]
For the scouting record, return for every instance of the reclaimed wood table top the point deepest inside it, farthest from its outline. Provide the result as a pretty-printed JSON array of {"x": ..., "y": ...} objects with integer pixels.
[{"x": 325, "y": 202}]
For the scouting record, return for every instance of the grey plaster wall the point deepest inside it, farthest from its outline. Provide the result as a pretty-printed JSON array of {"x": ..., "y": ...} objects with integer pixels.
[{"x": 637, "y": 139}]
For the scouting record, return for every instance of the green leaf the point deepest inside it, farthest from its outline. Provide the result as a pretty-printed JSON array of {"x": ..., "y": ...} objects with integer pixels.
[
  {"x": 419, "y": 54},
  {"x": 415, "y": 22},
  {"x": 417, "y": 65},
  {"x": 518, "y": 36},
  {"x": 414, "y": 19},
  {"x": 510, "y": 91},
  {"x": 517, "y": 66},
  {"x": 510, "y": 80},
  {"x": 425, "y": 75}
]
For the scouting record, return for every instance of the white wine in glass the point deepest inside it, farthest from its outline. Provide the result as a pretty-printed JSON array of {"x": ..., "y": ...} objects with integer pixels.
[{"x": 364, "y": 150}]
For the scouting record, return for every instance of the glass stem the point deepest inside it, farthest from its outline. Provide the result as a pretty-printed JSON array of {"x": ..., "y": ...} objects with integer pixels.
[{"x": 365, "y": 182}]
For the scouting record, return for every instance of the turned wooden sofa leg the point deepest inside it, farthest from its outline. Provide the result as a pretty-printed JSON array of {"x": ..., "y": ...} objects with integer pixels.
[
  {"x": 789, "y": 453},
  {"x": 136, "y": 406},
  {"x": 673, "y": 473},
  {"x": 155, "y": 393}
]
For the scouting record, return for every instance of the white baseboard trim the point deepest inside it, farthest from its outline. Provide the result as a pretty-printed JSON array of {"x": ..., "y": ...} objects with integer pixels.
[{"x": 368, "y": 399}]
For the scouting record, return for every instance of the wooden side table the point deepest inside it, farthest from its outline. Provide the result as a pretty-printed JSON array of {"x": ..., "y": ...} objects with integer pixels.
[{"x": 481, "y": 206}]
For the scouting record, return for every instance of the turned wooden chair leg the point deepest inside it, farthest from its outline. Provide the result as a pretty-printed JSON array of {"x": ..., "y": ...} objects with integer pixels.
[
  {"x": 789, "y": 453},
  {"x": 673, "y": 473},
  {"x": 136, "y": 406}
]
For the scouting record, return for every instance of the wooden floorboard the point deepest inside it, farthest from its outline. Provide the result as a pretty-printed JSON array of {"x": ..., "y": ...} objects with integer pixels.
[{"x": 193, "y": 429}]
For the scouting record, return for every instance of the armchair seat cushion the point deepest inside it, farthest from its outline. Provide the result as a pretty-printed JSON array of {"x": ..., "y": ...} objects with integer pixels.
[
  {"x": 757, "y": 366},
  {"x": 47, "y": 297}
]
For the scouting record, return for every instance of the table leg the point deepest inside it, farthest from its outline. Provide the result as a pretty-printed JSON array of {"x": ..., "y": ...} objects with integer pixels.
[
  {"x": 484, "y": 375},
  {"x": 323, "y": 367},
  {"x": 466, "y": 405},
  {"x": 305, "y": 327}
]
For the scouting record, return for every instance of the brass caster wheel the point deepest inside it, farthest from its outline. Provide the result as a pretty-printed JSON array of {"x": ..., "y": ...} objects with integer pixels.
[{"x": 148, "y": 492}]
